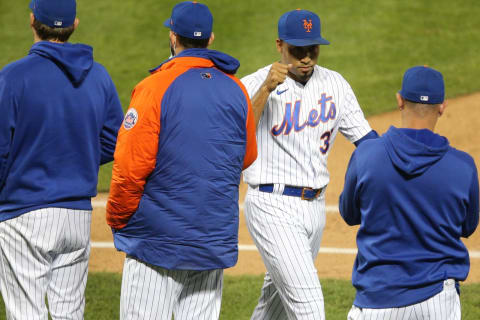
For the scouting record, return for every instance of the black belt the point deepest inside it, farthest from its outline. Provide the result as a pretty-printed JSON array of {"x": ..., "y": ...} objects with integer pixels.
[{"x": 303, "y": 192}]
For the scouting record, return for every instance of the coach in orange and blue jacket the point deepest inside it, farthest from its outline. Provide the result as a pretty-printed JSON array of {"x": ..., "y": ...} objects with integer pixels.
[{"x": 173, "y": 206}]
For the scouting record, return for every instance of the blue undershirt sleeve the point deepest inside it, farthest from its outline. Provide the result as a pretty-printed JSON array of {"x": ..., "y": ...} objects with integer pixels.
[{"x": 371, "y": 135}]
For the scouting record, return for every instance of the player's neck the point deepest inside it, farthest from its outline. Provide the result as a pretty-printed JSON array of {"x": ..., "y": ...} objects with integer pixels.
[
  {"x": 178, "y": 49},
  {"x": 36, "y": 39},
  {"x": 416, "y": 123}
]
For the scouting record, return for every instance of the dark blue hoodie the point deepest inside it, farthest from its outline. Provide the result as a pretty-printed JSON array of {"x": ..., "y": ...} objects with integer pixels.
[
  {"x": 60, "y": 114},
  {"x": 414, "y": 196}
]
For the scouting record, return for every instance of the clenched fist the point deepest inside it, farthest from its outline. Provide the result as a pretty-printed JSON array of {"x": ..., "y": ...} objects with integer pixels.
[{"x": 276, "y": 75}]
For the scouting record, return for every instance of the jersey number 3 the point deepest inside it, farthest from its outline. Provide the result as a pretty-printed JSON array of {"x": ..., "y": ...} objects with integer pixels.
[{"x": 325, "y": 137}]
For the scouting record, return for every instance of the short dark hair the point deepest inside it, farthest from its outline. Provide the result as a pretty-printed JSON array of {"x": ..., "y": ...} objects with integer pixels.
[
  {"x": 189, "y": 43},
  {"x": 46, "y": 33}
]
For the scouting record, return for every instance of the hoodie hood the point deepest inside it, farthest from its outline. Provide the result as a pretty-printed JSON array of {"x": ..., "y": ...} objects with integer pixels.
[
  {"x": 222, "y": 61},
  {"x": 75, "y": 60},
  {"x": 414, "y": 151}
]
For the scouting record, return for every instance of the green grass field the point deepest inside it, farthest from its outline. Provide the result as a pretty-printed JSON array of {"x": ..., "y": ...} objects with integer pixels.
[
  {"x": 240, "y": 296},
  {"x": 372, "y": 42}
]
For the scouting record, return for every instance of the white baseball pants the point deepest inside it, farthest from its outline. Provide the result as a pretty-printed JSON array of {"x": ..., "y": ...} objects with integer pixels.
[
  {"x": 45, "y": 253},
  {"x": 442, "y": 306},
  {"x": 287, "y": 232},
  {"x": 154, "y": 293}
]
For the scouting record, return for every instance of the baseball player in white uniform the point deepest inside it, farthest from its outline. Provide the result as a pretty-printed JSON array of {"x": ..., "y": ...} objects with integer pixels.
[{"x": 299, "y": 108}]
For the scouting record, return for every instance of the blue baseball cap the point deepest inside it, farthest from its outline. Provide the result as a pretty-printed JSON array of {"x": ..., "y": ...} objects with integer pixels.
[
  {"x": 191, "y": 19},
  {"x": 422, "y": 84},
  {"x": 300, "y": 28},
  {"x": 54, "y": 13}
]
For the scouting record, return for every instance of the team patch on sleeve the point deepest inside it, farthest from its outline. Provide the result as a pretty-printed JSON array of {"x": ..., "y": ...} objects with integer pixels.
[{"x": 131, "y": 118}]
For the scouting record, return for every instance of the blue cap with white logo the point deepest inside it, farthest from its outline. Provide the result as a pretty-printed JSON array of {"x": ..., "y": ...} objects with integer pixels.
[
  {"x": 300, "y": 28},
  {"x": 191, "y": 19},
  {"x": 54, "y": 13},
  {"x": 422, "y": 84}
]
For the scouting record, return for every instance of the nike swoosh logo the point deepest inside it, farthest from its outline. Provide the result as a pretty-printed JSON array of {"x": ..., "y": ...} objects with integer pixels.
[{"x": 280, "y": 92}]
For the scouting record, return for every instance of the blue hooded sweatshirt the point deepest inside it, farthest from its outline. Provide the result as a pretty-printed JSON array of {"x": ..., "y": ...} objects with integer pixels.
[
  {"x": 60, "y": 116},
  {"x": 414, "y": 196}
]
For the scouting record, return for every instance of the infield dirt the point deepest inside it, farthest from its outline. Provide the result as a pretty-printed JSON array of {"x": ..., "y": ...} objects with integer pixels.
[{"x": 459, "y": 124}]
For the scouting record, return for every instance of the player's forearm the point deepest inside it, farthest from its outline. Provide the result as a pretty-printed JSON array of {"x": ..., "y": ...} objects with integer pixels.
[
  {"x": 251, "y": 145},
  {"x": 259, "y": 101}
]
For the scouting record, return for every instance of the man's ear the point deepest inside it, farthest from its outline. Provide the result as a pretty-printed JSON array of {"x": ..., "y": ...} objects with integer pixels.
[
  {"x": 75, "y": 23},
  {"x": 279, "y": 45},
  {"x": 400, "y": 101},
  {"x": 212, "y": 37},
  {"x": 442, "y": 108}
]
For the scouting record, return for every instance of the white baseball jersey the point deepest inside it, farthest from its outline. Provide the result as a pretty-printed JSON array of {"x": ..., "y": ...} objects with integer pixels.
[
  {"x": 298, "y": 126},
  {"x": 294, "y": 135}
]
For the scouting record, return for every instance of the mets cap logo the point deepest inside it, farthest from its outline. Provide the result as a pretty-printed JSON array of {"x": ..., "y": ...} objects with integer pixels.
[
  {"x": 131, "y": 118},
  {"x": 307, "y": 25}
]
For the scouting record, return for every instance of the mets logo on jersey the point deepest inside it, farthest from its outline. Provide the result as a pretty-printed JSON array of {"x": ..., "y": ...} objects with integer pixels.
[
  {"x": 206, "y": 75},
  {"x": 131, "y": 118},
  {"x": 292, "y": 121},
  {"x": 307, "y": 25}
]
